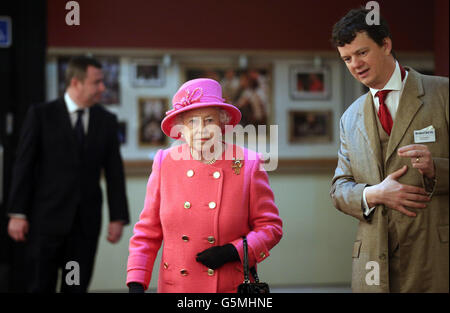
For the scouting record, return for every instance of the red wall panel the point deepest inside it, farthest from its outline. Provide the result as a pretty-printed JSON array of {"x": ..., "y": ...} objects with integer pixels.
[{"x": 231, "y": 24}]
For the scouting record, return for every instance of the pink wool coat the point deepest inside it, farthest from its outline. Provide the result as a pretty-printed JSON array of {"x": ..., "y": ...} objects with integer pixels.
[{"x": 192, "y": 206}]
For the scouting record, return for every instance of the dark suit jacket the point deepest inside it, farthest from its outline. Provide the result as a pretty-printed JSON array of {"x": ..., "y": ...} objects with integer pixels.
[{"x": 54, "y": 177}]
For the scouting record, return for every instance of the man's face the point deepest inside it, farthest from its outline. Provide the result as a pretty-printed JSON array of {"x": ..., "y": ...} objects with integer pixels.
[
  {"x": 90, "y": 90},
  {"x": 369, "y": 63}
]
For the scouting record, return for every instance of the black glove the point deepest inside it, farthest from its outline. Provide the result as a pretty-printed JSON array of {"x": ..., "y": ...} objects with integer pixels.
[
  {"x": 215, "y": 257},
  {"x": 135, "y": 288}
]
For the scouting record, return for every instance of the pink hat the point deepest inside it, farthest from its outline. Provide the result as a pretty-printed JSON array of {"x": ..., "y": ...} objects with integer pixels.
[{"x": 194, "y": 94}]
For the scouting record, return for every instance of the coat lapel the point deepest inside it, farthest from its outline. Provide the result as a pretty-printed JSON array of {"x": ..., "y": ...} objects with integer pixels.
[
  {"x": 408, "y": 106},
  {"x": 66, "y": 124},
  {"x": 366, "y": 125},
  {"x": 93, "y": 127}
]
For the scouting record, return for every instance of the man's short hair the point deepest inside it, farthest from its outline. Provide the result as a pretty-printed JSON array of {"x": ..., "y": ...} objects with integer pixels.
[
  {"x": 77, "y": 68},
  {"x": 354, "y": 22}
]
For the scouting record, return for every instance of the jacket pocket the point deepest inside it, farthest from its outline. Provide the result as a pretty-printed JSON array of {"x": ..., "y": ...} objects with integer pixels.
[
  {"x": 356, "y": 248},
  {"x": 443, "y": 233}
]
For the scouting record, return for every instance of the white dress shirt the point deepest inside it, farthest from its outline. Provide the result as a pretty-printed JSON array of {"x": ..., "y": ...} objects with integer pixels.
[
  {"x": 392, "y": 100},
  {"x": 72, "y": 108}
]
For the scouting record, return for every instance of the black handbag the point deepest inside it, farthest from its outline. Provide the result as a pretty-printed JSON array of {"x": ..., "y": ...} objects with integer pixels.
[{"x": 247, "y": 286}]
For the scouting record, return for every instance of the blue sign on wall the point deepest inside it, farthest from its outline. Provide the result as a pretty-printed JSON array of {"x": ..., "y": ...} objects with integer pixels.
[{"x": 5, "y": 32}]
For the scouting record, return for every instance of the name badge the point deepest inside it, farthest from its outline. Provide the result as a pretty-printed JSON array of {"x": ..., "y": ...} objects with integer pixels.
[{"x": 427, "y": 134}]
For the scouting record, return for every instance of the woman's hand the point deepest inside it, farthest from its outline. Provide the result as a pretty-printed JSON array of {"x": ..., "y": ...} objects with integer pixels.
[
  {"x": 215, "y": 257},
  {"x": 135, "y": 288}
]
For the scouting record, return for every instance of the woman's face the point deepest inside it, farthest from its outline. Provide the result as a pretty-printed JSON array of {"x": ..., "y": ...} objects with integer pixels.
[{"x": 202, "y": 126}]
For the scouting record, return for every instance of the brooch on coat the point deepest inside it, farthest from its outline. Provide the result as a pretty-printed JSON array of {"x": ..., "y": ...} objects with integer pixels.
[{"x": 237, "y": 165}]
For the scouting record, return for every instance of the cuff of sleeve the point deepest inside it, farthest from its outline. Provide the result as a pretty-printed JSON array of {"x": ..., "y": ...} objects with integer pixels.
[
  {"x": 367, "y": 211},
  {"x": 255, "y": 254},
  {"x": 139, "y": 276},
  {"x": 366, "y": 208}
]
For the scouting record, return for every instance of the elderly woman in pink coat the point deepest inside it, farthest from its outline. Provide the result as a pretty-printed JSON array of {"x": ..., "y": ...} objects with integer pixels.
[{"x": 202, "y": 197}]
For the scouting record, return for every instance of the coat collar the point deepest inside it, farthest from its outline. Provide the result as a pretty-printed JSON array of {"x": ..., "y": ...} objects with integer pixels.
[
  {"x": 366, "y": 125},
  {"x": 409, "y": 104}
]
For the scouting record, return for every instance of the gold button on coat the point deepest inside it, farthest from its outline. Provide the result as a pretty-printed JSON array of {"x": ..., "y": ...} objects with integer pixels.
[
  {"x": 262, "y": 255},
  {"x": 210, "y": 272},
  {"x": 212, "y": 205},
  {"x": 187, "y": 205},
  {"x": 184, "y": 272},
  {"x": 211, "y": 239},
  {"x": 216, "y": 175},
  {"x": 166, "y": 266},
  {"x": 185, "y": 238},
  {"x": 190, "y": 173}
]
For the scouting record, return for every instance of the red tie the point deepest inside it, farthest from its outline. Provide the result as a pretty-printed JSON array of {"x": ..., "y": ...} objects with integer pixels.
[{"x": 383, "y": 112}]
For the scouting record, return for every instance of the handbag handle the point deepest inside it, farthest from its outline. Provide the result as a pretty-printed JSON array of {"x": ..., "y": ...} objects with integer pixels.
[{"x": 253, "y": 269}]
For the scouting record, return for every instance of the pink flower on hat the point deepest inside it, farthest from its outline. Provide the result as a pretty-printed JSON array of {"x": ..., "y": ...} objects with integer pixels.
[{"x": 189, "y": 98}]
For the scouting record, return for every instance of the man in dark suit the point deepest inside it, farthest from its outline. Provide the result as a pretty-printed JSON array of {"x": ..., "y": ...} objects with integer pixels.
[{"x": 56, "y": 200}]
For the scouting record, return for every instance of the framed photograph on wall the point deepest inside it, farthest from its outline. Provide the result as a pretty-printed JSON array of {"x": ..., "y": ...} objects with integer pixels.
[
  {"x": 309, "y": 82},
  {"x": 248, "y": 89},
  {"x": 147, "y": 73},
  {"x": 310, "y": 126},
  {"x": 151, "y": 112},
  {"x": 111, "y": 72}
]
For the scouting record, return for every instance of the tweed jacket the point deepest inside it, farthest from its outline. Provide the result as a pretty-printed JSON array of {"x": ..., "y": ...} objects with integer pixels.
[{"x": 423, "y": 240}]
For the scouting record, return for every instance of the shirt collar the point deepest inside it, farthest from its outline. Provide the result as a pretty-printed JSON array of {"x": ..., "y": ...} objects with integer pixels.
[
  {"x": 72, "y": 107},
  {"x": 395, "y": 83}
]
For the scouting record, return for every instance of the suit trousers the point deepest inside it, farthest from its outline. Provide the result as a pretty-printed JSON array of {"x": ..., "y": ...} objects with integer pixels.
[{"x": 50, "y": 253}]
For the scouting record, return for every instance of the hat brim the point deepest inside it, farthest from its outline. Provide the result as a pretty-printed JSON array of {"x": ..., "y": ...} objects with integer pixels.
[{"x": 169, "y": 121}]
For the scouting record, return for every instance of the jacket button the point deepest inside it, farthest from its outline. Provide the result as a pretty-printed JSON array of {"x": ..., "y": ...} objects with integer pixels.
[
  {"x": 210, "y": 272},
  {"x": 184, "y": 272},
  {"x": 166, "y": 266},
  {"x": 187, "y": 205},
  {"x": 212, "y": 205},
  {"x": 185, "y": 238},
  {"x": 216, "y": 175},
  {"x": 211, "y": 239},
  {"x": 190, "y": 173},
  {"x": 382, "y": 256},
  {"x": 262, "y": 255}
]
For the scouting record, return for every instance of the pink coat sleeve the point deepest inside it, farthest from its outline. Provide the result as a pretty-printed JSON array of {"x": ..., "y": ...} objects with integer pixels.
[
  {"x": 147, "y": 237},
  {"x": 265, "y": 222}
]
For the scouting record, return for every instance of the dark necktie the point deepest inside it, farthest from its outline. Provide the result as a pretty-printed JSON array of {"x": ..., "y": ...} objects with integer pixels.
[
  {"x": 79, "y": 129},
  {"x": 383, "y": 112}
]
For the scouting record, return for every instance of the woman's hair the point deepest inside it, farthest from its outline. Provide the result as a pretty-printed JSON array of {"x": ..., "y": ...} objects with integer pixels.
[{"x": 354, "y": 22}]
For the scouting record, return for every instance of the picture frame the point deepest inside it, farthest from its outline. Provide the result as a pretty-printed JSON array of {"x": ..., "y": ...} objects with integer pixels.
[
  {"x": 147, "y": 73},
  {"x": 309, "y": 82},
  {"x": 310, "y": 126},
  {"x": 111, "y": 74},
  {"x": 151, "y": 112}
]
